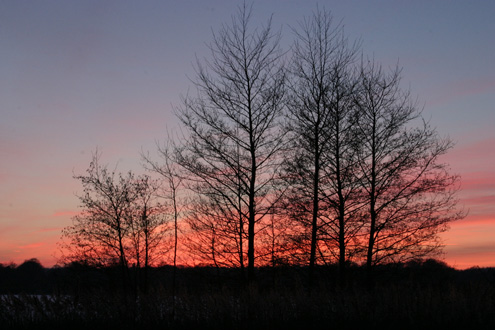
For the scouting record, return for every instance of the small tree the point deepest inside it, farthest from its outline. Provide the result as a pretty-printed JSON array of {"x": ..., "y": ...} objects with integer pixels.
[
  {"x": 148, "y": 226},
  {"x": 169, "y": 171},
  {"x": 98, "y": 234},
  {"x": 121, "y": 221}
]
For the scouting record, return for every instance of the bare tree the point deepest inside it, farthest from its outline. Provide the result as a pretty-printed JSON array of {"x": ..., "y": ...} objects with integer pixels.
[
  {"x": 321, "y": 109},
  {"x": 120, "y": 222},
  {"x": 98, "y": 234},
  {"x": 276, "y": 245},
  {"x": 234, "y": 141},
  {"x": 148, "y": 226},
  {"x": 409, "y": 192},
  {"x": 168, "y": 170},
  {"x": 213, "y": 238}
]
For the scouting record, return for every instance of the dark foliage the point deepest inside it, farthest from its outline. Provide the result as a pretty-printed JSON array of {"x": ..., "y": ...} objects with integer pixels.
[{"x": 423, "y": 294}]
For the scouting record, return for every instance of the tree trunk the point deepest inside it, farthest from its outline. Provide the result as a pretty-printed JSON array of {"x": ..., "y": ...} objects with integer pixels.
[
  {"x": 314, "y": 220},
  {"x": 373, "y": 215}
]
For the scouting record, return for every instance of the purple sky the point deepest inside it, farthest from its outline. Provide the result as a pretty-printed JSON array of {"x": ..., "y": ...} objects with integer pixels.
[{"x": 76, "y": 75}]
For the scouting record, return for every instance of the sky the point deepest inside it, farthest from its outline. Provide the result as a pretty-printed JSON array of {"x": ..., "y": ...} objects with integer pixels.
[{"x": 81, "y": 75}]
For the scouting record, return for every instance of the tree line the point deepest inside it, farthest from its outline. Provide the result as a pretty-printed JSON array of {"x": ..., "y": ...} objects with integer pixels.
[{"x": 312, "y": 155}]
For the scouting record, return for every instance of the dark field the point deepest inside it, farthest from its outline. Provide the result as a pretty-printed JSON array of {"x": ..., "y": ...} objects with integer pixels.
[{"x": 420, "y": 295}]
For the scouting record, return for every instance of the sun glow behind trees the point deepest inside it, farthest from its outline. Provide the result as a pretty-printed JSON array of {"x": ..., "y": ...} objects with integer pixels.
[
  {"x": 59, "y": 103},
  {"x": 352, "y": 174}
]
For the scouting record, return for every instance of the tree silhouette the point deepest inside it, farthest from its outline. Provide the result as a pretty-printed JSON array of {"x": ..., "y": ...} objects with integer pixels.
[
  {"x": 169, "y": 171},
  {"x": 121, "y": 222},
  {"x": 321, "y": 110},
  {"x": 408, "y": 192},
  {"x": 234, "y": 140}
]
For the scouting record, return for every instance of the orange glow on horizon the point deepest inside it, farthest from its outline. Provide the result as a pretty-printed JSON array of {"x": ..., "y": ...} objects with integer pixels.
[
  {"x": 465, "y": 246},
  {"x": 469, "y": 242}
]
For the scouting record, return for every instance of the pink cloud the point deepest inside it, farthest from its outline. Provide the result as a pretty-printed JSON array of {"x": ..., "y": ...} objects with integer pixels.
[
  {"x": 18, "y": 253},
  {"x": 466, "y": 256},
  {"x": 474, "y": 220},
  {"x": 480, "y": 200},
  {"x": 479, "y": 181},
  {"x": 475, "y": 164},
  {"x": 463, "y": 88},
  {"x": 66, "y": 213},
  {"x": 476, "y": 149},
  {"x": 31, "y": 246},
  {"x": 48, "y": 230}
]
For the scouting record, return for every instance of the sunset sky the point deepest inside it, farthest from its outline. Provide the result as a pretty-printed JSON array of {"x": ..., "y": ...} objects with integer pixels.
[{"x": 76, "y": 75}]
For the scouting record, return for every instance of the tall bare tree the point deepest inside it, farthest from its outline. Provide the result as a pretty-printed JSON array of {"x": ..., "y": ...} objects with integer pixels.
[
  {"x": 234, "y": 137},
  {"x": 410, "y": 195},
  {"x": 168, "y": 170},
  {"x": 321, "y": 108}
]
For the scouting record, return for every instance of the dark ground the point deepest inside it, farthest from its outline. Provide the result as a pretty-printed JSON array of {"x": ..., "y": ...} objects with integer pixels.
[{"x": 417, "y": 295}]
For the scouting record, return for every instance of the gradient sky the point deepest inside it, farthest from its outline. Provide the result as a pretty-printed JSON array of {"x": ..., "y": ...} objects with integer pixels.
[{"x": 76, "y": 75}]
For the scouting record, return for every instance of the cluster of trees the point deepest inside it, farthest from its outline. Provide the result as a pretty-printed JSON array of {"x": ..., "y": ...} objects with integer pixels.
[{"x": 311, "y": 156}]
